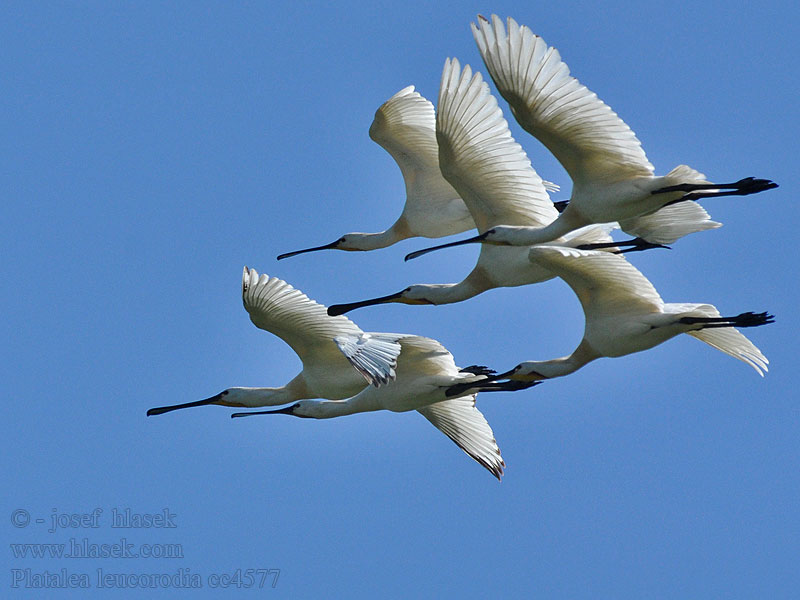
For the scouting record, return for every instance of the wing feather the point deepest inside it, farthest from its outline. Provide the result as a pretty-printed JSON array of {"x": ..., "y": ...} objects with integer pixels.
[
  {"x": 584, "y": 134},
  {"x": 480, "y": 159},
  {"x": 461, "y": 421},
  {"x": 731, "y": 341},
  {"x": 405, "y": 126},
  {"x": 286, "y": 312},
  {"x": 670, "y": 223},
  {"x": 374, "y": 355},
  {"x": 604, "y": 282}
]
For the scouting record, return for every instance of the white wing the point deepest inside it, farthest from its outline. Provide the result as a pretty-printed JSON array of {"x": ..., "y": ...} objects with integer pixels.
[
  {"x": 374, "y": 355},
  {"x": 604, "y": 282},
  {"x": 277, "y": 307},
  {"x": 405, "y": 126},
  {"x": 670, "y": 223},
  {"x": 424, "y": 356},
  {"x": 462, "y": 422},
  {"x": 584, "y": 134},
  {"x": 478, "y": 156},
  {"x": 730, "y": 341}
]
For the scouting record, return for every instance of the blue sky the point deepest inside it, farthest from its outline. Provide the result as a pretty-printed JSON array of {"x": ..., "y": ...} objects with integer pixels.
[{"x": 150, "y": 152}]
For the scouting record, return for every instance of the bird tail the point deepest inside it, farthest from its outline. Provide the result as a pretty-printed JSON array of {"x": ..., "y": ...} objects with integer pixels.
[
  {"x": 686, "y": 174},
  {"x": 670, "y": 223},
  {"x": 590, "y": 234},
  {"x": 731, "y": 341}
]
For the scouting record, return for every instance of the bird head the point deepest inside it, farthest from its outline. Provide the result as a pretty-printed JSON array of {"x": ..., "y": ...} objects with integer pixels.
[
  {"x": 414, "y": 294},
  {"x": 351, "y": 242},
  {"x": 230, "y": 397}
]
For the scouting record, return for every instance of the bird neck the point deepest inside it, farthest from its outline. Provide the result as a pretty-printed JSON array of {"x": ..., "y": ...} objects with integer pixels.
[
  {"x": 558, "y": 367},
  {"x": 384, "y": 239},
  {"x": 447, "y": 293},
  {"x": 259, "y": 396},
  {"x": 329, "y": 409}
]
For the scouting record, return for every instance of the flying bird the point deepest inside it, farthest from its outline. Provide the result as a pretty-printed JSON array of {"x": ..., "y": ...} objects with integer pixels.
[
  {"x": 625, "y": 314},
  {"x": 405, "y": 127},
  {"x": 612, "y": 178},
  {"x": 340, "y": 361},
  {"x": 493, "y": 175},
  {"x": 286, "y": 312},
  {"x": 420, "y": 379}
]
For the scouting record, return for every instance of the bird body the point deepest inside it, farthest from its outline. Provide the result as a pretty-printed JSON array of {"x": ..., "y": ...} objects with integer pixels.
[
  {"x": 496, "y": 181},
  {"x": 424, "y": 372},
  {"x": 405, "y": 127},
  {"x": 612, "y": 178},
  {"x": 355, "y": 371},
  {"x": 625, "y": 314},
  {"x": 277, "y": 307}
]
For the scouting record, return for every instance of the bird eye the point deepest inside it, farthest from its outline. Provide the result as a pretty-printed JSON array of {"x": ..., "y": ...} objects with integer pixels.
[
  {"x": 342, "y": 239},
  {"x": 225, "y": 393}
]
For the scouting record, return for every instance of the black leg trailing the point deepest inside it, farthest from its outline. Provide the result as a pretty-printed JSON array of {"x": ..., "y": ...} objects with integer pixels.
[
  {"x": 635, "y": 245},
  {"x": 743, "y": 187},
  {"x": 489, "y": 386},
  {"x": 478, "y": 370},
  {"x": 748, "y": 319}
]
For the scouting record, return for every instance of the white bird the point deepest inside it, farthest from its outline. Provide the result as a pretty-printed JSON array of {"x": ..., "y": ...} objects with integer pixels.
[
  {"x": 493, "y": 175},
  {"x": 277, "y": 307},
  {"x": 405, "y": 127},
  {"x": 612, "y": 178},
  {"x": 423, "y": 377},
  {"x": 340, "y": 361},
  {"x": 624, "y": 314}
]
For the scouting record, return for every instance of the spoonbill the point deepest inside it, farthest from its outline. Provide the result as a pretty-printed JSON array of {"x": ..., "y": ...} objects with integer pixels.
[
  {"x": 612, "y": 178},
  {"x": 424, "y": 372},
  {"x": 405, "y": 127},
  {"x": 625, "y": 314},
  {"x": 493, "y": 175},
  {"x": 277, "y": 307}
]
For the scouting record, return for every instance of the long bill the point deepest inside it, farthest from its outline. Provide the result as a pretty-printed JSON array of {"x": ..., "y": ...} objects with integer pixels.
[
  {"x": 473, "y": 240},
  {"x": 165, "y": 409},
  {"x": 286, "y": 410},
  {"x": 330, "y": 246},
  {"x": 339, "y": 309}
]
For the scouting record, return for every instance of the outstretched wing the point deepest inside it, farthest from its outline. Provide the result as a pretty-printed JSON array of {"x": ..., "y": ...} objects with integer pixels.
[
  {"x": 478, "y": 156},
  {"x": 604, "y": 282},
  {"x": 277, "y": 307},
  {"x": 405, "y": 126},
  {"x": 374, "y": 355},
  {"x": 584, "y": 134},
  {"x": 461, "y": 421}
]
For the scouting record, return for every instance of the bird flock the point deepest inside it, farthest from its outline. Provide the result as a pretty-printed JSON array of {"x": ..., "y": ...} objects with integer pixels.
[{"x": 463, "y": 170}]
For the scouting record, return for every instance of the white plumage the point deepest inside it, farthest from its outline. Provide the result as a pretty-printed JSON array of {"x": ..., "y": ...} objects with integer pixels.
[
  {"x": 612, "y": 180},
  {"x": 425, "y": 373},
  {"x": 405, "y": 126},
  {"x": 493, "y": 175},
  {"x": 277, "y": 307},
  {"x": 407, "y": 372},
  {"x": 625, "y": 314}
]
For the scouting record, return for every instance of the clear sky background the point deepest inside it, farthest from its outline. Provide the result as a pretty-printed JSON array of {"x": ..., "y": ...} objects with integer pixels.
[{"x": 150, "y": 151}]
